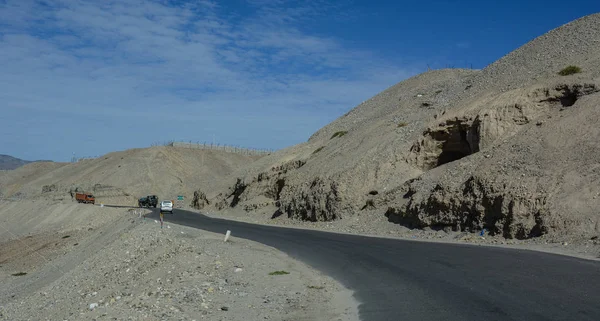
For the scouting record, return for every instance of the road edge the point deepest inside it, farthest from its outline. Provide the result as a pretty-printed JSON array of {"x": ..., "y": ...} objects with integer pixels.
[{"x": 503, "y": 246}]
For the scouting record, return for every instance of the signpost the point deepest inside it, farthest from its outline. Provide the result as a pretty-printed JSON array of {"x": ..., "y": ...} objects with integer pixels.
[{"x": 179, "y": 202}]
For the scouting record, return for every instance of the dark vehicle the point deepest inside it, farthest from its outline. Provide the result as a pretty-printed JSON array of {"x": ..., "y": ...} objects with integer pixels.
[{"x": 148, "y": 201}]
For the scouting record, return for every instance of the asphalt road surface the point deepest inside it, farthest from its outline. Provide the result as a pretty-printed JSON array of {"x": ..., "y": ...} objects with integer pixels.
[{"x": 411, "y": 280}]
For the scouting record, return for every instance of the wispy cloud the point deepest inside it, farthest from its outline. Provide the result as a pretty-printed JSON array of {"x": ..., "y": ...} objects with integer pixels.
[{"x": 182, "y": 62}]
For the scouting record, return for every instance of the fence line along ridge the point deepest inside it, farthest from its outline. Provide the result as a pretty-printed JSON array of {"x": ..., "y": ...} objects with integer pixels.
[{"x": 220, "y": 147}]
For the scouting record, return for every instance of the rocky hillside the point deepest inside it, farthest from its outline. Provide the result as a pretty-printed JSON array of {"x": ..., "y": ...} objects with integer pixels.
[
  {"x": 512, "y": 149},
  {"x": 122, "y": 177}
]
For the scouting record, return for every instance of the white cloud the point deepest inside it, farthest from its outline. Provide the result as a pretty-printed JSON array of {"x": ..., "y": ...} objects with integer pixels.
[{"x": 138, "y": 59}]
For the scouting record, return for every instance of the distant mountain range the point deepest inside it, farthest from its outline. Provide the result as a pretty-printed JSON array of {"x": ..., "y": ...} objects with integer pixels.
[{"x": 9, "y": 163}]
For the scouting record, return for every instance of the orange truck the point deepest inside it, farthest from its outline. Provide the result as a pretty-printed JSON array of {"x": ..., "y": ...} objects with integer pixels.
[{"x": 85, "y": 198}]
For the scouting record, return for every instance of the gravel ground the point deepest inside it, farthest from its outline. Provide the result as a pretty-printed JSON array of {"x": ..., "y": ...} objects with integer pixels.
[{"x": 132, "y": 269}]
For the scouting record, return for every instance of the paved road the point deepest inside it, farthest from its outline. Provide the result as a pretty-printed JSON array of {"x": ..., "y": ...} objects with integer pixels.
[{"x": 409, "y": 280}]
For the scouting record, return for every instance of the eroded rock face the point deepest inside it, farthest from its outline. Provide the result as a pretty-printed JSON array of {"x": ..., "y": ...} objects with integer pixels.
[
  {"x": 566, "y": 94},
  {"x": 237, "y": 192},
  {"x": 267, "y": 184},
  {"x": 477, "y": 204},
  {"x": 452, "y": 140},
  {"x": 199, "y": 201},
  {"x": 461, "y": 136},
  {"x": 317, "y": 201},
  {"x": 221, "y": 203},
  {"x": 493, "y": 199}
]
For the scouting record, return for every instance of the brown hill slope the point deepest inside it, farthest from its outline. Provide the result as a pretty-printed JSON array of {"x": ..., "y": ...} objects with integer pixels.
[
  {"x": 122, "y": 177},
  {"x": 510, "y": 148}
]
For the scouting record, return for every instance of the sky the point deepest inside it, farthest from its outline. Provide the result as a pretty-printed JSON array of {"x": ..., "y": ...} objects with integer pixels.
[{"x": 91, "y": 77}]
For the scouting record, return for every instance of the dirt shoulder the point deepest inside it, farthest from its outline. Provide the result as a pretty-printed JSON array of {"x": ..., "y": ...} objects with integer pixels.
[{"x": 130, "y": 268}]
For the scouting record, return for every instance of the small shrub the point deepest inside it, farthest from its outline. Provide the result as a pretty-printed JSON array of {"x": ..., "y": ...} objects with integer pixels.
[
  {"x": 569, "y": 70},
  {"x": 339, "y": 134},
  {"x": 66, "y": 236},
  {"x": 316, "y": 287},
  {"x": 373, "y": 192},
  {"x": 318, "y": 149},
  {"x": 402, "y": 124},
  {"x": 279, "y": 273},
  {"x": 19, "y": 274}
]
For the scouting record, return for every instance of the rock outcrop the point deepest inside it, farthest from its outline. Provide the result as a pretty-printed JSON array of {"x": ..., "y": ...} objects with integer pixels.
[
  {"x": 199, "y": 201},
  {"x": 475, "y": 205},
  {"x": 488, "y": 120},
  {"x": 267, "y": 184},
  {"x": 320, "y": 200}
]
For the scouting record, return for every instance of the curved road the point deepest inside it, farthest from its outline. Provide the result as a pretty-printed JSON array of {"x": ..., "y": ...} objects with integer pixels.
[{"x": 411, "y": 280}]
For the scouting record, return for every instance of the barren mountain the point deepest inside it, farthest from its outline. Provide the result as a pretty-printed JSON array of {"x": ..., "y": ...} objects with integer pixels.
[
  {"x": 122, "y": 177},
  {"x": 513, "y": 149},
  {"x": 8, "y": 162}
]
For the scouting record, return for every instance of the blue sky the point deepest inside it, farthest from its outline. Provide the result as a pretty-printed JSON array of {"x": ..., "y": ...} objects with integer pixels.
[{"x": 92, "y": 77}]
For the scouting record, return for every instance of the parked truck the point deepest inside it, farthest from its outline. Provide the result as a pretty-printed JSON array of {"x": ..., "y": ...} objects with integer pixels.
[
  {"x": 148, "y": 201},
  {"x": 85, "y": 198}
]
